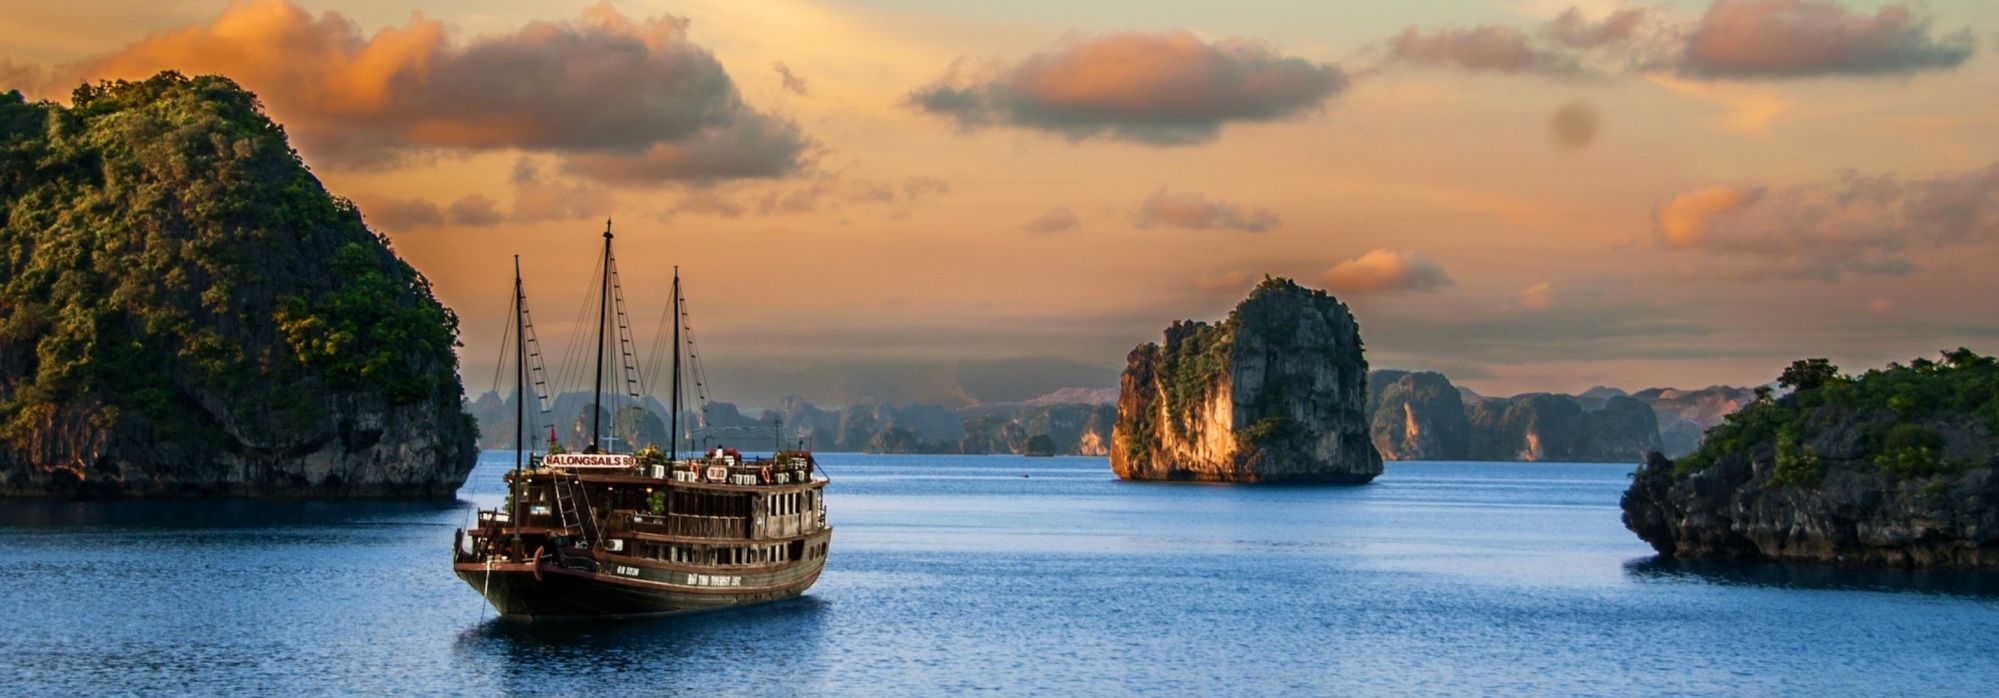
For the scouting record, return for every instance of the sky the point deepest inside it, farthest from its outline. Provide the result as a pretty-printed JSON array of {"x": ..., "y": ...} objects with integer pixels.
[{"x": 961, "y": 201}]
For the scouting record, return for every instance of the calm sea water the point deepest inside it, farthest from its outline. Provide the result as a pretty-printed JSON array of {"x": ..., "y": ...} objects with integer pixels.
[{"x": 1005, "y": 575}]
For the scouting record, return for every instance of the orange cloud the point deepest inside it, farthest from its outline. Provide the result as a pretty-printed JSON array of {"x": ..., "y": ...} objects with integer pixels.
[
  {"x": 619, "y": 98},
  {"x": 1537, "y": 296},
  {"x": 1860, "y": 224},
  {"x": 1805, "y": 38},
  {"x": 1688, "y": 219},
  {"x": 1160, "y": 89},
  {"x": 1881, "y": 307},
  {"x": 1386, "y": 270}
]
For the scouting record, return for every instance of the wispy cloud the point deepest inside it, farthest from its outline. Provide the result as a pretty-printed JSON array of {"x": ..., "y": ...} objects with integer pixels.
[
  {"x": 1194, "y": 211},
  {"x": 1057, "y": 220}
]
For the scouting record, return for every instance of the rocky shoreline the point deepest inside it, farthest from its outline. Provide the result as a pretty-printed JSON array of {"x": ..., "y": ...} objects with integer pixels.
[{"x": 1733, "y": 512}]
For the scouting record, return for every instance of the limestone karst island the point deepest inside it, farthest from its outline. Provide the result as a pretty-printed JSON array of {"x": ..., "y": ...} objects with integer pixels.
[
  {"x": 1274, "y": 393},
  {"x": 189, "y": 313},
  {"x": 892, "y": 348}
]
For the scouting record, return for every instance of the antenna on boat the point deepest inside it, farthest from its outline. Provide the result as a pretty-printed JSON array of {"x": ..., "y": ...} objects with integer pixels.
[
  {"x": 673, "y": 424},
  {"x": 597, "y": 389}
]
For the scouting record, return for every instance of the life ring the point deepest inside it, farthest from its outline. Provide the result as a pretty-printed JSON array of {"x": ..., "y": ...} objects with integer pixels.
[
  {"x": 766, "y": 474},
  {"x": 536, "y": 564}
]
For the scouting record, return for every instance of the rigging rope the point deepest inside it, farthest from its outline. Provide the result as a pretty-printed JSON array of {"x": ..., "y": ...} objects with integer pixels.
[
  {"x": 501, "y": 360},
  {"x": 573, "y": 366}
]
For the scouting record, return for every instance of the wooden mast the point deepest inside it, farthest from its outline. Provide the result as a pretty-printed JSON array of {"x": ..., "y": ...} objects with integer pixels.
[
  {"x": 520, "y": 398},
  {"x": 603, "y": 309},
  {"x": 674, "y": 409}
]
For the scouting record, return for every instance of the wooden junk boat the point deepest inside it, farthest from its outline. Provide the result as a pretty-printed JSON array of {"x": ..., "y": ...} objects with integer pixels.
[{"x": 600, "y": 534}]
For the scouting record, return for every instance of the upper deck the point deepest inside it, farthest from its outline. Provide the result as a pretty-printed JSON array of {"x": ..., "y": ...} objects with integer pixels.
[{"x": 718, "y": 469}]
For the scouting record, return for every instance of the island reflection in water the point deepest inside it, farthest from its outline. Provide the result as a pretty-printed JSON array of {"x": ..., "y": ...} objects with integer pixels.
[{"x": 1816, "y": 577}]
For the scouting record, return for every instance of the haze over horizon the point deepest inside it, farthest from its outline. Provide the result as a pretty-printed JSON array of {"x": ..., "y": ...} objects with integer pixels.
[{"x": 910, "y": 200}]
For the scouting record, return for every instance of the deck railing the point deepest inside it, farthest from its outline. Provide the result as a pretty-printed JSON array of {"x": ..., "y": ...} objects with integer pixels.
[{"x": 689, "y": 525}]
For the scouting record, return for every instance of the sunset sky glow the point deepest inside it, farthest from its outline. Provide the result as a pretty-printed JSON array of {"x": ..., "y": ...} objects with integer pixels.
[{"x": 1524, "y": 194}]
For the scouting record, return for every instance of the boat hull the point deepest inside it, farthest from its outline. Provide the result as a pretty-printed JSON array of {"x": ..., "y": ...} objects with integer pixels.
[{"x": 548, "y": 591}]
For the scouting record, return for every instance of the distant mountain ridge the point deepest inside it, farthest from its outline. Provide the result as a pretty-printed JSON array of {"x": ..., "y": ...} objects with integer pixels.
[
  {"x": 870, "y": 427},
  {"x": 1422, "y": 415},
  {"x": 1414, "y": 415}
]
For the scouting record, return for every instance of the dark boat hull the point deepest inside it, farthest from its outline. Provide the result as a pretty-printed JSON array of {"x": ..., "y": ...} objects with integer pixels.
[{"x": 549, "y": 592}]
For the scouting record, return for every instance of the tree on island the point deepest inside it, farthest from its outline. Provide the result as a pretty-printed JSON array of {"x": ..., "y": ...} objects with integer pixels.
[
  {"x": 1810, "y": 374},
  {"x": 1897, "y": 411}
]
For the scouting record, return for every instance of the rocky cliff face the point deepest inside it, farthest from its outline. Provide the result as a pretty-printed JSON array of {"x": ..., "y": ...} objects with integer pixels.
[
  {"x": 1417, "y": 416},
  {"x": 1735, "y": 511},
  {"x": 188, "y": 313},
  {"x": 1275, "y": 393},
  {"x": 1894, "y": 468}
]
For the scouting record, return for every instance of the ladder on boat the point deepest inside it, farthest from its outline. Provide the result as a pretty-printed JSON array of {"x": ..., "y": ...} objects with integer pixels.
[{"x": 565, "y": 505}]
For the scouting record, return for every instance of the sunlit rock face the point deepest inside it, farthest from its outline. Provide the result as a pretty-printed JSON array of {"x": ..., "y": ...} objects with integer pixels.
[{"x": 1275, "y": 393}]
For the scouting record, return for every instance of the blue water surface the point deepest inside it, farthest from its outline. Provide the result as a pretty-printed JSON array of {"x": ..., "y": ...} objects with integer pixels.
[{"x": 999, "y": 574}]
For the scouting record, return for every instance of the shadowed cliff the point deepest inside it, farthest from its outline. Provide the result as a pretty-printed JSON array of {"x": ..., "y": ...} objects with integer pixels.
[
  {"x": 1893, "y": 467},
  {"x": 188, "y": 313}
]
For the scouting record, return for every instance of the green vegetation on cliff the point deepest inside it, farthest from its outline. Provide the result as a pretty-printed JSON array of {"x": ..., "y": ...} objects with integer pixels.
[
  {"x": 1193, "y": 358},
  {"x": 148, "y": 225},
  {"x": 1898, "y": 414},
  {"x": 1196, "y": 354},
  {"x": 1274, "y": 392},
  {"x": 169, "y": 266}
]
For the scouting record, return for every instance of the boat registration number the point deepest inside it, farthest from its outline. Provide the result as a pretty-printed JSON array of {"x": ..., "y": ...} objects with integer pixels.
[{"x": 628, "y": 570}]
